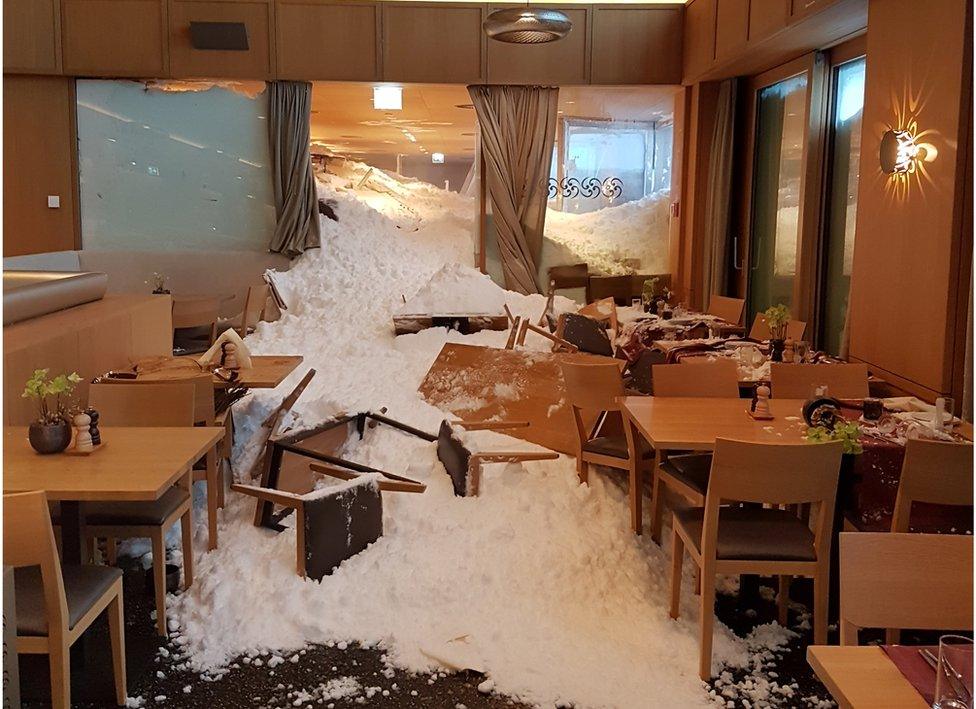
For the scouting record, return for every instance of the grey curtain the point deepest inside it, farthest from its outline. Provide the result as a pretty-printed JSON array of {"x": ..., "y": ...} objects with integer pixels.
[
  {"x": 718, "y": 206},
  {"x": 296, "y": 204},
  {"x": 518, "y": 128}
]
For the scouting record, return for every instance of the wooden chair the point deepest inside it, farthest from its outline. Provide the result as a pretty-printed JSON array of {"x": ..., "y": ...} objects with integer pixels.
[
  {"x": 760, "y": 540},
  {"x": 617, "y": 287},
  {"x": 798, "y": 381},
  {"x": 728, "y": 309},
  {"x": 255, "y": 308},
  {"x": 604, "y": 311},
  {"x": 195, "y": 314},
  {"x": 598, "y": 387},
  {"x": 640, "y": 375},
  {"x": 911, "y": 581},
  {"x": 170, "y": 404},
  {"x": 574, "y": 276},
  {"x": 55, "y": 603},
  {"x": 760, "y": 330},
  {"x": 687, "y": 474}
]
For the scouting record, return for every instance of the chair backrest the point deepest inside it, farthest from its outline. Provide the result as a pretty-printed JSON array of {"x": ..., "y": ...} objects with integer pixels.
[
  {"x": 935, "y": 472},
  {"x": 760, "y": 330},
  {"x": 913, "y": 581},
  {"x": 797, "y": 381},
  {"x": 728, "y": 309},
  {"x": 776, "y": 474},
  {"x": 254, "y": 306},
  {"x": 203, "y": 394},
  {"x": 718, "y": 378},
  {"x": 575, "y": 276},
  {"x": 616, "y": 287},
  {"x": 587, "y": 334},
  {"x": 195, "y": 312},
  {"x": 593, "y": 387},
  {"x": 140, "y": 404},
  {"x": 28, "y": 540},
  {"x": 640, "y": 375}
]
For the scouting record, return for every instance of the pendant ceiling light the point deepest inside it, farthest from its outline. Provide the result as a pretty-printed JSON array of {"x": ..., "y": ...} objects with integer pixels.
[{"x": 526, "y": 25}]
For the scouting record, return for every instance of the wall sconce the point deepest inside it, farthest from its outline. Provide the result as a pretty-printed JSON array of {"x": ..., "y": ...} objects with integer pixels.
[{"x": 900, "y": 154}]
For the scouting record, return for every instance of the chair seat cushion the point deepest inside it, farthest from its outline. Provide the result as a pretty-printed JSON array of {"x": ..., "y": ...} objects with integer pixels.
[
  {"x": 691, "y": 470},
  {"x": 751, "y": 533},
  {"x": 136, "y": 513},
  {"x": 614, "y": 446},
  {"x": 83, "y": 586}
]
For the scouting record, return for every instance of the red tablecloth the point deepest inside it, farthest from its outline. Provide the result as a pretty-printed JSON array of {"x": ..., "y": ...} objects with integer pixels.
[{"x": 916, "y": 670}]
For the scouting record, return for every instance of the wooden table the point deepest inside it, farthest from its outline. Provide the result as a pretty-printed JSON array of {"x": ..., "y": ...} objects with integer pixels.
[
  {"x": 265, "y": 372},
  {"x": 133, "y": 464},
  {"x": 863, "y": 678}
]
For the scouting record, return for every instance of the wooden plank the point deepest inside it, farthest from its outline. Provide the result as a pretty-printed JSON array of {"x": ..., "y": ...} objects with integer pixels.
[
  {"x": 437, "y": 42},
  {"x": 344, "y": 35},
  {"x": 731, "y": 27},
  {"x": 265, "y": 372},
  {"x": 863, "y": 678},
  {"x": 31, "y": 32},
  {"x": 137, "y": 463},
  {"x": 138, "y": 31},
  {"x": 636, "y": 44},
  {"x": 487, "y": 383},
  {"x": 699, "y": 38}
]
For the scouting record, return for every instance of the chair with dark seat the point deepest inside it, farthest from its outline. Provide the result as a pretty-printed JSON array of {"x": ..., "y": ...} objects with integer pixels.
[
  {"x": 755, "y": 539},
  {"x": 170, "y": 404},
  {"x": 596, "y": 389},
  {"x": 687, "y": 473},
  {"x": 569, "y": 277},
  {"x": 760, "y": 329},
  {"x": 194, "y": 324},
  {"x": 56, "y": 604}
]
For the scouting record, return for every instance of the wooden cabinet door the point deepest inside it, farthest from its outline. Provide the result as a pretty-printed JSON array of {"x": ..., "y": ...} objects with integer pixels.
[
  {"x": 434, "y": 43},
  {"x": 803, "y": 8},
  {"x": 253, "y": 63},
  {"x": 731, "y": 27},
  {"x": 766, "y": 18},
  {"x": 636, "y": 44},
  {"x": 699, "y": 38},
  {"x": 138, "y": 37},
  {"x": 328, "y": 40},
  {"x": 563, "y": 62},
  {"x": 31, "y": 31}
]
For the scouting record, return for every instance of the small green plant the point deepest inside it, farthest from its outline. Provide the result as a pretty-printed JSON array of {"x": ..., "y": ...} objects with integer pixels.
[
  {"x": 649, "y": 287},
  {"x": 777, "y": 317},
  {"x": 41, "y": 388},
  {"x": 847, "y": 432}
]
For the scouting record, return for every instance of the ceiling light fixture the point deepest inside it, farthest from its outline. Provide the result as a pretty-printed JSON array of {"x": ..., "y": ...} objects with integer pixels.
[
  {"x": 388, "y": 98},
  {"x": 437, "y": 158},
  {"x": 518, "y": 25}
]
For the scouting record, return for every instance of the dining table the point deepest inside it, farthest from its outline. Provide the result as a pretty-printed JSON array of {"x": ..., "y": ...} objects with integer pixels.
[
  {"x": 863, "y": 677},
  {"x": 265, "y": 372},
  {"x": 131, "y": 464}
]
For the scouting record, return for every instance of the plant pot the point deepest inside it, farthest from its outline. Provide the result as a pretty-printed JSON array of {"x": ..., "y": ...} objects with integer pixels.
[
  {"x": 48, "y": 438},
  {"x": 776, "y": 350},
  {"x": 172, "y": 579}
]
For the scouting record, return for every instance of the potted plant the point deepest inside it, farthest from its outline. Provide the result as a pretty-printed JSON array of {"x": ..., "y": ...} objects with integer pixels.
[
  {"x": 51, "y": 431},
  {"x": 777, "y": 317},
  {"x": 158, "y": 282},
  {"x": 849, "y": 434}
]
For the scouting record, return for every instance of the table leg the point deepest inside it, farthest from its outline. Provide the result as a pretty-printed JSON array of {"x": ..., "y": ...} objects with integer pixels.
[
  {"x": 186, "y": 482},
  {"x": 71, "y": 541}
]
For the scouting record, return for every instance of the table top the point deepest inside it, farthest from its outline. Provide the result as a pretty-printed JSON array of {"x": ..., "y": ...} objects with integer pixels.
[
  {"x": 694, "y": 423},
  {"x": 195, "y": 298},
  {"x": 265, "y": 372},
  {"x": 862, "y": 677},
  {"x": 131, "y": 464}
]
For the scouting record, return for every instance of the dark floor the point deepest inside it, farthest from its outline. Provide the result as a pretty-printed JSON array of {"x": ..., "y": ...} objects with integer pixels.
[{"x": 156, "y": 675}]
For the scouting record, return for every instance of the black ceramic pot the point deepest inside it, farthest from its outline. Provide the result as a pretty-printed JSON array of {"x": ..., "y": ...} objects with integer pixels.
[
  {"x": 47, "y": 438},
  {"x": 776, "y": 350}
]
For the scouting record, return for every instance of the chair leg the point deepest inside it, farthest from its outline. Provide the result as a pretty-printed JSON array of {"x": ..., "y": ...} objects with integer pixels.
[
  {"x": 59, "y": 656},
  {"x": 657, "y": 502},
  {"x": 212, "y": 498},
  {"x": 116, "y": 629},
  {"x": 582, "y": 470},
  {"x": 697, "y": 581},
  {"x": 111, "y": 551},
  {"x": 707, "y": 621},
  {"x": 783, "y": 599},
  {"x": 677, "y": 558},
  {"x": 820, "y": 595},
  {"x": 186, "y": 531},
  {"x": 90, "y": 549},
  {"x": 636, "y": 497},
  {"x": 220, "y": 483},
  {"x": 159, "y": 579},
  {"x": 892, "y": 636}
]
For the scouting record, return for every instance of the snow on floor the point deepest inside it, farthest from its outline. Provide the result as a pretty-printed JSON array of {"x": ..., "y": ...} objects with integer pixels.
[{"x": 541, "y": 577}]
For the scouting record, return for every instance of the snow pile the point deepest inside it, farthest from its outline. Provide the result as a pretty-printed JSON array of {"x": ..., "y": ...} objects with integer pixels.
[
  {"x": 456, "y": 289},
  {"x": 555, "y": 597},
  {"x": 616, "y": 240}
]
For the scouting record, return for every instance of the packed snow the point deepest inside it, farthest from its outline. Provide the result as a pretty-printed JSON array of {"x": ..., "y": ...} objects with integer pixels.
[{"x": 538, "y": 582}]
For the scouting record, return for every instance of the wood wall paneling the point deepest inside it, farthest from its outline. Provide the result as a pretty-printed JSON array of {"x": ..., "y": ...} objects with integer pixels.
[
  {"x": 31, "y": 36},
  {"x": 327, "y": 40},
  {"x": 255, "y": 63},
  {"x": 731, "y": 27},
  {"x": 766, "y": 18},
  {"x": 563, "y": 62},
  {"x": 636, "y": 44},
  {"x": 909, "y": 247},
  {"x": 137, "y": 29},
  {"x": 39, "y": 159},
  {"x": 699, "y": 38},
  {"x": 803, "y": 8},
  {"x": 436, "y": 42}
]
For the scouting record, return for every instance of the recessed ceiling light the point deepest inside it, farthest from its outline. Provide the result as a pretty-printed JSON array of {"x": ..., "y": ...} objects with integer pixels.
[
  {"x": 437, "y": 158},
  {"x": 387, "y": 98}
]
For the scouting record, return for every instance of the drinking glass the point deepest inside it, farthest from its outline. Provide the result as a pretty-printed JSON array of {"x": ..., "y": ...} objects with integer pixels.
[
  {"x": 800, "y": 350},
  {"x": 954, "y": 674},
  {"x": 950, "y": 407}
]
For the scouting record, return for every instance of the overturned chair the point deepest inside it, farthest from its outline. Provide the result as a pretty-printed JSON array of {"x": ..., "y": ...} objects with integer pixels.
[{"x": 336, "y": 522}]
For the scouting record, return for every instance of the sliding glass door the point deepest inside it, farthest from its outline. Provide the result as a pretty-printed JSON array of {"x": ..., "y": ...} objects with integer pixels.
[{"x": 777, "y": 182}]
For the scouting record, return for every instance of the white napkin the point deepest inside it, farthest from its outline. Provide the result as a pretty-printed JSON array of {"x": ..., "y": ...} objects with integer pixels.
[{"x": 213, "y": 354}]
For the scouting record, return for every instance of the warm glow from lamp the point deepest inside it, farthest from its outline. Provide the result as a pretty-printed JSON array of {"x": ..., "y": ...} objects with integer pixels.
[
  {"x": 900, "y": 154},
  {"x": 387, "y": 98},
  {"x": 437, "y": 158}
]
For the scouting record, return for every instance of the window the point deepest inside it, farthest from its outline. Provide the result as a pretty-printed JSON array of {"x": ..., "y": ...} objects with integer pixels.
[{"x": 185, "y": 169}]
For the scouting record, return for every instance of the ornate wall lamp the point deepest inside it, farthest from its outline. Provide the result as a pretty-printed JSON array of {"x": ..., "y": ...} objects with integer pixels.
[{"x": 901, "y": 152}]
